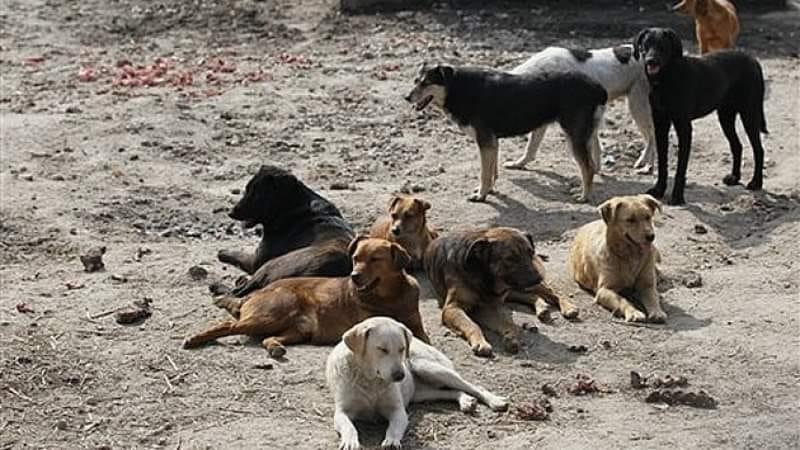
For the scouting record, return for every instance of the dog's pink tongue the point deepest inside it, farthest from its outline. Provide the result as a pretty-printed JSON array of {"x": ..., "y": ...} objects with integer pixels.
[{"x": 651, "y": 70}]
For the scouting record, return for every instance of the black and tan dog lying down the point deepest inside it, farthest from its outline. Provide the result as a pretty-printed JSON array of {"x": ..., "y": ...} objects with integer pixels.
[
  {"x": 304, "y": 234},
  {"x": 474, "y": 273}
]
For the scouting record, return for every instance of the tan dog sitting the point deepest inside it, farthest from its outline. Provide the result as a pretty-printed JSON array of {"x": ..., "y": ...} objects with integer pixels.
[
  {"x": 615, "y": 256},
  {"x": 715, "y": 22},
  {"x": 407, "y": 226}
]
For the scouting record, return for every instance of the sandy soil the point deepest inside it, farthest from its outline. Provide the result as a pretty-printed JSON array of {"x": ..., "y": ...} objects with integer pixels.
[{"x": 89, "y": 158}]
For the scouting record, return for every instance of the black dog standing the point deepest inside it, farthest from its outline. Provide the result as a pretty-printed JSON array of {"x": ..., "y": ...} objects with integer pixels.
[{"x": 685, "y": 88}]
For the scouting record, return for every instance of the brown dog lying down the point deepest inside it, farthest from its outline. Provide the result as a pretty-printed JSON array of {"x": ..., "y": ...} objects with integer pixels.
[
  {"x": 475, "y": 272},
  {"x": 319, "y": 310},
  {"x": 715, "y": 22},
  {"x": 303, "y": 233},
  {"x": 406, "y": 225},
  {"x": 615, "y": 256}
]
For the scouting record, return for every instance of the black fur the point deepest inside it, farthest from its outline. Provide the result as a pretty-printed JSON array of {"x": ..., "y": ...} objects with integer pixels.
[
  {"x": 623, "y": 53},
  {"x": 498, "y": 104},
  {"x": 685, "y": 88},
  {"x": 580, "y": 54},
  {"x": 303, "y": 233}
]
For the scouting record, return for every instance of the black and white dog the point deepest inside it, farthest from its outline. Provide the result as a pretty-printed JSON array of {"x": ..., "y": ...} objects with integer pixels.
[
  {"x": 618, "y": 72},
  {"x": 491, "y": 104},
  {"x": 684, "y": 88}
]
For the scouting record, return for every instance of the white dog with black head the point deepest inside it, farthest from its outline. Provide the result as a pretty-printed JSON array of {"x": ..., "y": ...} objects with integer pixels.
[{"x": 379, "y": 368}]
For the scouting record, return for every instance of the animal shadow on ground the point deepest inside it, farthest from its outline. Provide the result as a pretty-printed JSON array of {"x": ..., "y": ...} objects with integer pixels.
[{"x": 738, "y": 213}]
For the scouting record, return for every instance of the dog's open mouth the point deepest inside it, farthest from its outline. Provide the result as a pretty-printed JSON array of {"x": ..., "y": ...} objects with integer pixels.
[
  {"x": 642, "y": 246},
  {"x": 367, "y": 287},
  {"x": 423, "y": 103},
  {"x": 652, "y": 68}
]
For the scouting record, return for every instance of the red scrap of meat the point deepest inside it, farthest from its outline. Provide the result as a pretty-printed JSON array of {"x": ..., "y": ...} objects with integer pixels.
[
  {"x": 33, "y": 60},
  {"x": 219, "y": 65},
  {"x": 24, "y": 308},
  {"x": 87, "y": 74}
]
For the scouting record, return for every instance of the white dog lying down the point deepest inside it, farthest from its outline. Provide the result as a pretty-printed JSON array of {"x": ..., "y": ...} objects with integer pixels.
[
  {"x": 618, "y": 72},
  {"x": 379, "y": 367}
]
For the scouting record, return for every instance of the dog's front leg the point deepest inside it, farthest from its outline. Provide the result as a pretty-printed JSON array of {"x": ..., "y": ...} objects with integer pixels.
[
  {"x": 618, "y": 305},
  {"x": 398, "y": 422},
  {"x": 242, "y": 260},
  {"x": 661, "y": 123},
  {"x": 497, "y": 317},
  {"x": 684, "y": 131},
  {"x": 347, "y": 431},
  {"x": 646, "y": 286},
  {"x": 456, "y": 319},
  {"x": 488, "y": 149}
]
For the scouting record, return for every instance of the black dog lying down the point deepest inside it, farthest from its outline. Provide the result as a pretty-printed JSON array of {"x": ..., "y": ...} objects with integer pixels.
[
  {"x": 304, "y": 234},
  {"x": 685, "y": 88},
  {"x": 491, "y": 104}
]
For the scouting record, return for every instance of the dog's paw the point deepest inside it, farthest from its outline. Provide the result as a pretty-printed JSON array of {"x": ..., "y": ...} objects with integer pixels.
[
  {"x": 467, "y": 404},
  {"x": 497, "y": 403},
  {"x": 656, "y": 191},
  {"x": 476, "y": 198},
  {"x": 188, "y": 343},
  {"x": 677, "y": 199},
  {"x": 544, "y": 315},
  {"x": 276, "y": 351},
  {"x": 657, "y": 316},
  {"x": 391, "y": 443},
  {"x": 514, "y": 165},
  {"x": 350, "y": 444},
  {"x": 511, "y": 344},
  {"x": 570, "y": 312},
  {"x": 730, "y": 180},
  {"x": 754, "y": 185},
  {"x": 634, "y": 315},
  {"x": 483, "y": 349}
]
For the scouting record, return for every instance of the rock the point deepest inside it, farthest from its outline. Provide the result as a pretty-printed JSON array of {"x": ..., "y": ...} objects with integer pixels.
[
  {"x": 578, "y": 348},
  {"x": 134, "y": 314},
  {"x": 549, "y": 390},
  {"x": 339, "y": 186},
  {"x": 637, "y": 381},
  {"x": 697, "y": 400},
  {"x": 668, "y": 381},
  {"x": 26, "y": 177},
  {"x": 700, "y": 229},
  {"x": 73, "y": 110},
  {"x": 534, "y": 410},
  {"x": 691, "y": 279},
  {"x": 197, "y": 273},
  {"x": 119, "y": 278},
  {"x": 93, "y": 259},
  {"x": 264, "y": 366}
]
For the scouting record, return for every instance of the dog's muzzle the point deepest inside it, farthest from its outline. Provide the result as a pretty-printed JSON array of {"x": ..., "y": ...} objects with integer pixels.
[
  {"x": 652, "y": 67},
  {"x": 423, "y": 103}
]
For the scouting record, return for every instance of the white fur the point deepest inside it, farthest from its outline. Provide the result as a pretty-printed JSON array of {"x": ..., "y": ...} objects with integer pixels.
[
  {"x": 618, "y": 80},
  {"x": 357, "y": 377}
]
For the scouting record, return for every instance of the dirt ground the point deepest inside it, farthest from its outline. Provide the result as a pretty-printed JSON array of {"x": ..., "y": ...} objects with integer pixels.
[{"x": 146, "y": 162}]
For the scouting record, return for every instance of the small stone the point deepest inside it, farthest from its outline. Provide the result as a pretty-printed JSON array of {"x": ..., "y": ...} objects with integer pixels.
[
  {"x": 73, "y": 110},
  {"x": 197, "y": 273},
  {"x": 119, "y": 278},
  {"x": 236, "y": 191},
  {"x": 339, "y": 186},
  {"x": 264, "y": 366},
  {"x": 578, "y": 348},
  {"x": 26, "y": 177},
  {"x": 93, "y": 259},
  {"x": 637, "y": 381},
  {"x": 549, "y": 390},
  {"x": 700, "y": 229}
]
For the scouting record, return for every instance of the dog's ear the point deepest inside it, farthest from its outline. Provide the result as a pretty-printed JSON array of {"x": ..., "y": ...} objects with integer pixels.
[
  {"x": 356, "y": 338},
  {"x": 409, "y": 336},
  {"x": 400, "y": 257},
  {"x": 637, "y": 43},
  {"x": 351, "y": 248},
  {"x": 445, "y": 72},
  {"x": 530, "y": 240},
  {"x": 675, "y": 43},
  {"x": 479, "y": 253},
  {"x": 393, "y": 201},
  {"x": 701, "y": 8},
  {"x": 608, "y": 210},
  {"x": 423, "y": 204},
  {"x": 651, "y": 202}
]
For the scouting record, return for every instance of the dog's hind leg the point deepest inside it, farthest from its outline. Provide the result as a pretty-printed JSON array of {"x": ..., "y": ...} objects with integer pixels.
[
  {"x": 534, "y": 140},
  {"x": 753, "y": 125},
  {"x": 580, "y": 153},
  {"x": 727, "y": 121},
  {"x": 229, "y": 303},
  {"x": 639, "y": 107},
  {"x": 439, "y": 376},
  {"x": 227, "y": 328},
  {"x": 425, "y": 393},
  {"x": 276, "y": 345}
]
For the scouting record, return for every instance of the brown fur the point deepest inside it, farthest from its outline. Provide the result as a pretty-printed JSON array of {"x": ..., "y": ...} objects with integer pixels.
[
  {"x": 615, "y": 255},
  {"x": 406, "y": 225},
  {"x": 715, "y": 21},
  {"x": 319, "y": 310},
  {"x": 474, "y": 273}
]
